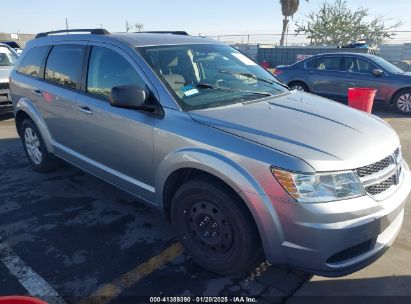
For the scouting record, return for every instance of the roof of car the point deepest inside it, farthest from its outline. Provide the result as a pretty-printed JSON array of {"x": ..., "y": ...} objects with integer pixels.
[
  {"x": 148, "y": 39},
  {"x": 344, "y": 54},
  {"x": 134, "y": 39}
]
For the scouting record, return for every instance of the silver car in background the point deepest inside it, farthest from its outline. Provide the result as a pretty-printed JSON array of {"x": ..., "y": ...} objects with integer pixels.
[
  {"x": 8, "y": 58},
  {"x": 245, "y": 169}
]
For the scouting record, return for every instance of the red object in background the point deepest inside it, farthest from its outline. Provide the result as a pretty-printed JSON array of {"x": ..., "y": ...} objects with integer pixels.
[
  {"x": 265, "y": 64},
  {"x": 278, "y": 72},
  {"x": 361, "y": 98},
  {"x": 20, "y": 300}
]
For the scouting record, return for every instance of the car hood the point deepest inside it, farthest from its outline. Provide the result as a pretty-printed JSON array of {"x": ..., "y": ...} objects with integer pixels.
[
  {"x": 5, "y": 73},
  {"x": 325, "y": 134}
]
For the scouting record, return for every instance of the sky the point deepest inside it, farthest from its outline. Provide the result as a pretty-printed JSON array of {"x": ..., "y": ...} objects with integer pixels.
[{"x": 211, "y": 17}]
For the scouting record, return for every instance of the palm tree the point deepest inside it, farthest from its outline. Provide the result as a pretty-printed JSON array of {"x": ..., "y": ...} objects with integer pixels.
[{"x": 288, "y": 8}]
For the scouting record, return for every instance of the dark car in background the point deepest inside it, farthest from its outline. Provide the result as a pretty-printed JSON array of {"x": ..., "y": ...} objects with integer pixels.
[{"x": 330, "y": 75}]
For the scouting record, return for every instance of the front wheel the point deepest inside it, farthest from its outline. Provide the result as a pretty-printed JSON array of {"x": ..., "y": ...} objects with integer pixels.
[
  {"x": 215, "y": 227},
  {"x": 402, "y": 102}
]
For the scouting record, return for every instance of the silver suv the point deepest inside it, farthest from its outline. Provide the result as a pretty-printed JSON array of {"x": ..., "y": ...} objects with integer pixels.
[{"x": 245, "y": 168}]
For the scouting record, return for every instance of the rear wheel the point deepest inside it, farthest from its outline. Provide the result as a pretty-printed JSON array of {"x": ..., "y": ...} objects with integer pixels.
[
  {"x": 402, "y": 102},
  {"x": 298, "y": 86},
  {"x": 35, "y": 149},
  {"x": 215, "y": 227}
]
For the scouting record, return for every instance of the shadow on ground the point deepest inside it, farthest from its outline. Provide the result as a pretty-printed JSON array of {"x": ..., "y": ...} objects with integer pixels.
[{"x": 393, "y": 289}]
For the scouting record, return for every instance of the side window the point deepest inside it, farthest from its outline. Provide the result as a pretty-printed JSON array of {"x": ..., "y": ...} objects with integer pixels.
[
  {"x": 64, "y": 65},
  {"x": 108, "y": 69},
  {"x": 33, "y": 61},
  {"x": 325, "y": 63},
  {"x": 313, "y": 64},
  {"x": 357, "y": 65},
  {"x": 364, "y": 66},
  {"x": 349, "y": 64}
]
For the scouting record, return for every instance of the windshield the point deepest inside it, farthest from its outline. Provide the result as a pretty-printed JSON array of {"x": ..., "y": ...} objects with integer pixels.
[
  {"x": 7, "y": 58},
  {"x": 389, "y": 67},
  {"x": 207, "y": 75}
]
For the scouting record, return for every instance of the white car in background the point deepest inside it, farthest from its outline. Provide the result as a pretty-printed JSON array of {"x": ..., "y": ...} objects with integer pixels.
[{"x": 8, "y": 58}]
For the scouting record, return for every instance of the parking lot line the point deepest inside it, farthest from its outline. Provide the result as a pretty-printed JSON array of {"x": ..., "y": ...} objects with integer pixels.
[
  {"x": 109, "y": 291},
  {"x": 27, "y": 277}
]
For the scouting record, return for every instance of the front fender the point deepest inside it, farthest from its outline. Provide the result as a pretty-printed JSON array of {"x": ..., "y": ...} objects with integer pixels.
[
  {"x": 239, "y": 179},
  {"x": 27, "y": 106}
]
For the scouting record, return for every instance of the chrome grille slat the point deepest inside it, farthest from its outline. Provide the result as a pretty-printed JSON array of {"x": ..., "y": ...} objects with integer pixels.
[
  {"x": 380, "y": 176},
  {"x": 381, "y": 187},
  {"x": 375, "y": 167}
]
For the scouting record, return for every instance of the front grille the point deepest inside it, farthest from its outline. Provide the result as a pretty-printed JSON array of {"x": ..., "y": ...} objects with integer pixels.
[
  {"x": 382, "y": 175},
  {"x": 4, "y": 86},
  {"x": 381, "y": 187},
  {"x": 375, "y": 167},
  {"x": 351, "y": 252}
]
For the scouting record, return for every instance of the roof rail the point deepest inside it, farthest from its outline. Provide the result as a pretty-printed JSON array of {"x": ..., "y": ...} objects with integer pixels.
[
  {"x": 166, "y": 32},
  {"x": 96, "y": 31}
]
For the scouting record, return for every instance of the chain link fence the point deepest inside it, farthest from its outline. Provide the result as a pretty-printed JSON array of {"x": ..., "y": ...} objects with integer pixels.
[{"x": 293, "y": 39}]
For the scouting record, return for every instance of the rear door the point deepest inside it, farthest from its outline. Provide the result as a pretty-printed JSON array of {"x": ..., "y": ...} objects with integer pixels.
[
  {"x": 59, "y": 92},
  {"x": 324, "y": 76}
]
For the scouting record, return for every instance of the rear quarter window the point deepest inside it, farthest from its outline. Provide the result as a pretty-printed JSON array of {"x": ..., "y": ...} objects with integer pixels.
[
  {"x": 64, "y": 65},
  {"x": 32, "y": 62}
]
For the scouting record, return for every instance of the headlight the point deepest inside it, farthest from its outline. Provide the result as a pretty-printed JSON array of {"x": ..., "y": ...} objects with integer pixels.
[{"x": 320, "y": 187}]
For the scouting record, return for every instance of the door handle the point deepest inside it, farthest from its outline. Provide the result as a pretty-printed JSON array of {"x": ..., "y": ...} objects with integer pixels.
[
  {"x": 85, "y": 110},
  {"x": 311, "y": 72},
  {"x": 37, "y": 92}
]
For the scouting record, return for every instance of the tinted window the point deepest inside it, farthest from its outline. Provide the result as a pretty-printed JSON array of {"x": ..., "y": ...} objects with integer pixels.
[
  {"x": 64, "y": 65},
  {"x": 33, "y": 61},
  {"x": 357, "y": 65},
  {"x": 108, "y": 69},
  {"x": 324, "y": 63}
]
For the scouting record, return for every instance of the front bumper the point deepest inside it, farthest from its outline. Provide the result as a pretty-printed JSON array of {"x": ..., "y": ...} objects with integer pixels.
[{"x": 338, "y": 238}]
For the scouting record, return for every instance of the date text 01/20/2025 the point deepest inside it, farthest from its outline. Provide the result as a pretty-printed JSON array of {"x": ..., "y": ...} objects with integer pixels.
[{"x": 203, "y": 300}]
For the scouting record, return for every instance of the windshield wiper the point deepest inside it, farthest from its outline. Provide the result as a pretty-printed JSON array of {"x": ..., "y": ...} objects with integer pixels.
[
  {"x": 250, "y": 75},
  {"x": 210, "y": 86},
  {"x": 202, "y": 85}
]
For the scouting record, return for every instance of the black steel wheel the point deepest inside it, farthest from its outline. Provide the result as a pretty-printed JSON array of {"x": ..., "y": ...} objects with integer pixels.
[{"x": 215, "y": 227}]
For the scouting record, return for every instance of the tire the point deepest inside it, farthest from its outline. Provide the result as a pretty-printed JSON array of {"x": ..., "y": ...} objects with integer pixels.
[
  {"x": 215, "y": 228},
  {"x": 298, "y": 86},
  {"x": 40, "y": 159},
  {"x": 402, "y": 102}
]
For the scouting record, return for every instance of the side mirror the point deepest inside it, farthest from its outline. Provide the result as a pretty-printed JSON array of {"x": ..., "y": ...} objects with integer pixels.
[
  {"x": 377, "y": 72},
  {"x": 130, "y": 97}
]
